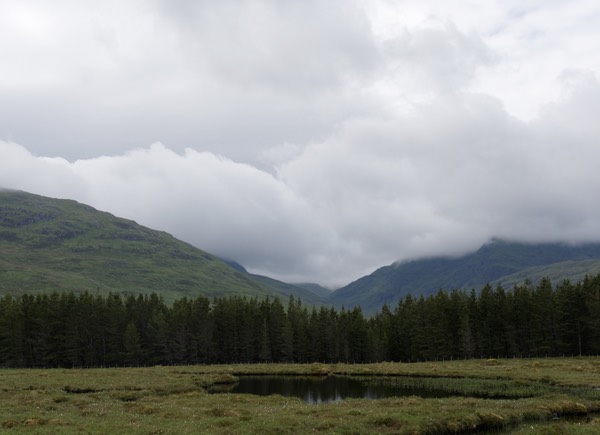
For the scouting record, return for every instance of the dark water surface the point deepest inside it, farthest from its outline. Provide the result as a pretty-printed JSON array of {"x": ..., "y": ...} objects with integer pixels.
[{"x": 324, "y": 389}]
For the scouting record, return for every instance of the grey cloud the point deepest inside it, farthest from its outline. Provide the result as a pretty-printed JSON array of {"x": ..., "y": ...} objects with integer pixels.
[
  {"x": 439, "y": 57},
  {"x": 440, "y": 182},
  {"x": 291, "y": 47},
  {"x": 234, "y": 78},
  {"x": 307, "y": 140},
  {"x": 230, "y": 209}
]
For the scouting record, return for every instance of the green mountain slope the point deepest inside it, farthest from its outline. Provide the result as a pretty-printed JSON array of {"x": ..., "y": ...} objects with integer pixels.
[
  {"x": 284, "y": 290},
  {"x": 574, "y": 271},
  {"x": 51, "y": 244},
  {"x": 496, "y": 262},
  {"x": 316, "y": 289}
]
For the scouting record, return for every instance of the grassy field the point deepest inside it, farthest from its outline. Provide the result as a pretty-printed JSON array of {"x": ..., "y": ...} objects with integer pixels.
[{"x": 173, "y": 400}]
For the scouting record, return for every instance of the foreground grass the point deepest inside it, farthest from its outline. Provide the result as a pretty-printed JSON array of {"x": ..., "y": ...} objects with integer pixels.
[{"x": 174, "y": 400}]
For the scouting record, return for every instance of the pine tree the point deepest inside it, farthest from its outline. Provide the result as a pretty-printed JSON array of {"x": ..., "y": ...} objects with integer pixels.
[
  {"x": 11, "y": 333},
  {"x": 465, "y": 345},
  {"x": 158, "y": 339},
  {"x": 264, "y": 354},
  {"x": 132, "y": 349},
  {"x": 404, "y": 327},
  {"x": 299, "y": 324},
  {"x": 591, "y": 289},
  {"x": 522, "y": 319},
  {"x": 201, "y": 329},
  {"x": 545, "y": 316},
  {"x": 115, "y": 323},
  {"x": 572, "y": 316}
]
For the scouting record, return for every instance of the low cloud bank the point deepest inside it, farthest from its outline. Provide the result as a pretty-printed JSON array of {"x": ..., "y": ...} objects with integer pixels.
[{"x": 441, "y": 181}]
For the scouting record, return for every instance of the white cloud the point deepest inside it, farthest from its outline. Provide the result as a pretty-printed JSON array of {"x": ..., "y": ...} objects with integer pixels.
[
  {"x": 230, "y": 209},
  {"x": 313, "y": 140},
  {"x": 437, "y": 58},
  {"x": 291, "y": 47},
  {"x": 459, "y": 171}
]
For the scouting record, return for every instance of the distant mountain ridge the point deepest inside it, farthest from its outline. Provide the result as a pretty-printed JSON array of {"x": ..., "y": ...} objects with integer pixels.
[
  {"x": 51, "y": 244},
  {"x": 497, "y": 262},
  {"x": 311, "y": 293}
]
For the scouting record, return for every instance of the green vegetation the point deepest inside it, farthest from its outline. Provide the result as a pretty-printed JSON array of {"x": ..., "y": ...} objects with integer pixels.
[
  {"x": 310, "y": 294},
  {"x": 573, "y": 270},
  {"x": 499, "y": 262},
  {"x": 91, "y": 330},
  {"x": 173, "y": 400},
  {"x": 60, "y": 245},
  {"x": 316, "y": 289},
  {"x": 131, "y": 296}
]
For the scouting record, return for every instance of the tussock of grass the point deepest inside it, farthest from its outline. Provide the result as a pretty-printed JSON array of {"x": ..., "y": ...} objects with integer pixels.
[
  {"x": 77, "y": 390},
  {"x": 174, "y": 400}
]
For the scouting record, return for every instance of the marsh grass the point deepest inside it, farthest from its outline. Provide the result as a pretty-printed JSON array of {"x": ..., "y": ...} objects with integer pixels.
[{"x": 174, "y": 400}]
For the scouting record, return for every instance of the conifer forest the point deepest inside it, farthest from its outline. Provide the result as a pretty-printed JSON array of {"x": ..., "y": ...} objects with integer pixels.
[{"x": 95, "y": 330}]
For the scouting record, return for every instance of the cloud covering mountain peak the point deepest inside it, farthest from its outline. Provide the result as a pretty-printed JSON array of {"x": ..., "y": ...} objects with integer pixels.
[{"x": 311, "y": 142}]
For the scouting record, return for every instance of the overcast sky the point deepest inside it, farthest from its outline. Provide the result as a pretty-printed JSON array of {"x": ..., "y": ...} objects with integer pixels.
[{"x": 312, "y": 140}]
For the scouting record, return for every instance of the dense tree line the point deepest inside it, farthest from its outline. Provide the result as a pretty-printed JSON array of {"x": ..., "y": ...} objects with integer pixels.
[{"x": 86, "y": 330}]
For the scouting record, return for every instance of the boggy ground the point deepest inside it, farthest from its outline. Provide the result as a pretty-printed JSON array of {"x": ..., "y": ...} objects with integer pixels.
[{"x": 173, "y": 400}]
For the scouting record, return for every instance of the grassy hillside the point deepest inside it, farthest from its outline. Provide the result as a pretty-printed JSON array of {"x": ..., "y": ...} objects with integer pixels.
[
  {"x": 316, "y": 289},
  {"x": 311, "y": 294},
  {"x": 50, "y": 244},
  {"x": 574, "y": 271},
  {"x": 285, "y": 289},
  {"x": 502, "y": 262}
]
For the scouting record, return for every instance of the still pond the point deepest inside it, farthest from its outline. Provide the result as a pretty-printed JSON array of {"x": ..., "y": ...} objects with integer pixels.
[{"x": 325, "y": 389}]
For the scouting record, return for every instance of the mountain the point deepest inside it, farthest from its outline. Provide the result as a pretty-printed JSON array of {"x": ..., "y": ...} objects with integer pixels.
[
  {"x": 55, "y": 244},
  {"x": 497, "y": 262},
  {"x": 298, "y": 290},
  {"x": 316, "y": 289},
  {"x": 312, "y": 294}
]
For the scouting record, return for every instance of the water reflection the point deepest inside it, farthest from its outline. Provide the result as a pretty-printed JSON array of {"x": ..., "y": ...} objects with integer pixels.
[{"x": 324, "y": 389}]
